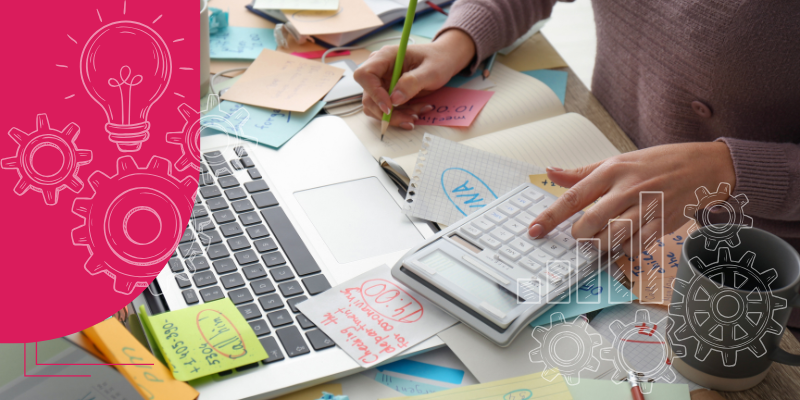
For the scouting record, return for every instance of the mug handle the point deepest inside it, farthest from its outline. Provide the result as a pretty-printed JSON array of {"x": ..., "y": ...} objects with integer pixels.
[{"x": 782, "y": 356}]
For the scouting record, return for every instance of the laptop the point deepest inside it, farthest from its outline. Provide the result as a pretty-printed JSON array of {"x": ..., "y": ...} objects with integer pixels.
[{"x": 271, "y": 228}]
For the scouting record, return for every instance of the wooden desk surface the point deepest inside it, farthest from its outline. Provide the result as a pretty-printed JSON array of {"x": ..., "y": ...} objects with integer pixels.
[{"x": 782, "y": 382}]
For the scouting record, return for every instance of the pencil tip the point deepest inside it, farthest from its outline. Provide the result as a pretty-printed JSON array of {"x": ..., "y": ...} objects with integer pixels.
[{"x": 384, "y": 127}]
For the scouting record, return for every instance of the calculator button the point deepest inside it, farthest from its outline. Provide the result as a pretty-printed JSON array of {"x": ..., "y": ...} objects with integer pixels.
[
  {"x": 508, "y": 209},
  {"x": 520, "y": 202},
  {"x": 554, "y": 249},
  {"x": 533, "y": 195},
  {"x": 502, "y": 235},
  {"x": 483, "y": 224},
  {"x": 539, "y": 207},
  {"x": 536, "y": 286},
  {"x": 565, "y": 226},
  {"x": 540, "y": 256},
  {"x": 471, "y": 231},
  {"x": 525, "y": 218},
  {"x": 491, "y": 242},
  {"x": 530, "y": 265},
  {"x": 565, "y": 240},
  {"x": 521, "y": 246},
  {"x": 496, "y": 216},
  {"x": 587, "y": 251},
  {"x": 515, "y": 227},
  {"x": 510, "y": 253},
  {"x": 551, "y": 277}
]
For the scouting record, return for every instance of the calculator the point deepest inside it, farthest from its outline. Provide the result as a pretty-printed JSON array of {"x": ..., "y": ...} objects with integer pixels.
[{"x": 489, "y": 273}]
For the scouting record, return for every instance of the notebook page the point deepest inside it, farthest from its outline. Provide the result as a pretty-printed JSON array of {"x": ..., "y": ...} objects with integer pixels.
[{"x": 518, "y": 99}]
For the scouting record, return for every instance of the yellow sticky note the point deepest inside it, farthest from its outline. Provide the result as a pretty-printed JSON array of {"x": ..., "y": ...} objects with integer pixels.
[
  {"x": 313, "y": 393},
  {"x": 204, "y": 339},
  {"x": 518, "y": 388},
  {"x": 543, "y": 182},
  {"x": 154, "y": 382}
]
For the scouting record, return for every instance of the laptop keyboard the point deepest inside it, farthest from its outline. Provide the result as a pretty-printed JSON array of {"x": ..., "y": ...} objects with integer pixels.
[{"x": 240, "y": 244}]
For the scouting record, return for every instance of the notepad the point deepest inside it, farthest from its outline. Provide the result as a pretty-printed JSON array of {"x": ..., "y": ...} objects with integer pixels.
[
  {"x": 519, "y": 388},
  {"x": 452, "y": 106}
]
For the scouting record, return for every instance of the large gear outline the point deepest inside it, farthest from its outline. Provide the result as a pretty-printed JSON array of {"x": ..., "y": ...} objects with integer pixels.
[
  {"x": 112, "y": 250},
  {"x": 545, "y": 352},
  {"x": 45, "y": 136},
  {"x": 622, "y": 332},
  {"x": 689, "y": 314},
  {"x": 733, "y": 205}
]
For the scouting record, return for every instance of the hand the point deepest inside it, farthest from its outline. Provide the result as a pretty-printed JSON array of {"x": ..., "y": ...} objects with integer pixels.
[
  {"x": 426, "y": 67},
  {"x": 677, "y": 170}
]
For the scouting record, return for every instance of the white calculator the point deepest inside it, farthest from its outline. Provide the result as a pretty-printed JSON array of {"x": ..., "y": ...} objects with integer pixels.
[{"x": 489, "y": 273}]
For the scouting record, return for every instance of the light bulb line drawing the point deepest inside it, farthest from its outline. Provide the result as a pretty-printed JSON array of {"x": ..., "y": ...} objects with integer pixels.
[{"x": 125, "y": 79}]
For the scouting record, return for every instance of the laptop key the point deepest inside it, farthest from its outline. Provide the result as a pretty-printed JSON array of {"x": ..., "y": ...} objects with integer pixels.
[
  {"x": 217, "y": 251},
  {"x": 250, "y": 218},
  {"x": 240, "y": 296},
  {"x": 209, "y": 237},
  {"x": 189, "y": 249},
  {"x": 265, "y": 199},
  {"x": 210, "y": 191},
  {"x": 273, "y": 259},
  {"x": 254, "y": 174},
  {"x": 188, "y": 236},
  {"x": 246, "y": 257},
  {"x": 254, "y": 271},
  {"x": 224, "y": 266},
  {"x": 246, "y": 367},
  {"x": 231, "y": 281},
  {"x": 204, "y": 278},
  {"x": 240, "y": 151},
  {"x": 238, "y": 243},
  {"x": 304, "y": 322},
  {"x": 316, "y": 284},
  {"x": 217, "y": 204},
  {"x": 279, "y": 318},
  {"x": 175, "y": 265},
  {"x": 183, "y": 281},
  {"x": 190, "y": 296},
  {"x": 260, "y": 327},
  {"x": 224, "y": 216},
  {"x": 203, "y": 168},
  {"x": 258, "y": 231},
  {"x": 202, "y": 224},
  {"x": 210, "y": 155},
  {"x": 270, "y": 302},
  {"x": 292, "y": 341},
  {"x": 290, "y": 241},
  {"x": 236, "y": 164},
  {"x": 265, "y": 245},
  {"x": 256, "y": 186},
  {"x": 291, "y": 288},
  {"x": 242, "y": 206},
  {"x": 231, "y": 229},
  {"x": 197, "y": 199},
  {"x": 319, "y": 340},
  {"x": 247, "y": 162},
  {"x": 281, "y": 274},
  {"x": 228, "y": 182},
  {"x": 206, "y": 179},
  {"x": 219, "y": 167},
  {"x": 294, "y": 301},
  {"x": 195, "y": 264},
  {"x": 273, "y": 350},
  {"x": 262, "y": 286},
  {"x": 235, "y": 194},
  {"x": 250, "y": 311},
  {"x": 199, "y": 211},
  {"x": 211, "y": 293}
]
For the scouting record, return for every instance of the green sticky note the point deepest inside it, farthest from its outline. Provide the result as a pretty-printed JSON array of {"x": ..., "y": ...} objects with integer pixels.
[{"x": 204, "y": 339}]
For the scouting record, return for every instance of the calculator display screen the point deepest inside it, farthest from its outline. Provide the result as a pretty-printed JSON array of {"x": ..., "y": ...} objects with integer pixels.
[{"x": 470, "y": 281}]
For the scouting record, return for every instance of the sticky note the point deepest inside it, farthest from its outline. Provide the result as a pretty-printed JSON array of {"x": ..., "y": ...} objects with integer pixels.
[
  {"x": 238, "y": 43},
  {"x": 406, "y": 386},
  {"x": 518, "y": 388},
  {"x": 352, "y": 15},
  {"x": 461, "y": 79},
  {"x": 153, "y": 382},
  {"x": 453, "y": 106},
  {"x": 426, "y": 25},
  {"x": 296, "y": 4},
  {"x": 204, "y": 339},
  {"x": 555, "y": 80},
  {"x": 543, "y": 181},
  {"x": 425, "y": 370},
  {"x": 265, "y": 126}
]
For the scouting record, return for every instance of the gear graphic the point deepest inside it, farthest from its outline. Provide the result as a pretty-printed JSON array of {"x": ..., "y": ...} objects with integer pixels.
[
  {"x": 570, "y": 366},
  {"x": 189, "y": 137},
  {"x": 719, "y": 200},
  {"x": 696, "y": 314},
  {"x": 624, "y": 334},
  {"x": 132, "y": 223},
  {"x": 31, "y": 176}
]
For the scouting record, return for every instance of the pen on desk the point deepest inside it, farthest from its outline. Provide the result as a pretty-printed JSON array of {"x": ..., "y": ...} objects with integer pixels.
[
  {"x": 398, "y": 62},
  {"x": 436, "y": 7},
  {"x": 487, "y": 67},
  {"x": 636, "y": 391}
]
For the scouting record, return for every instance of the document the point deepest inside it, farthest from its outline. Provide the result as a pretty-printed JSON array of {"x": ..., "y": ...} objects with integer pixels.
[
  {"x": 519, "y": 388},
  {"x": 296, "y": 4},
  {"x": 352, "y": 15},
  {"x": 452, "y": 106},
  {"x": 237, "y": 43}
]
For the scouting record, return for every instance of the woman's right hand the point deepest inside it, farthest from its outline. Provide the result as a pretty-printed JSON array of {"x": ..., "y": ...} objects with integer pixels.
[{"x": 427, "y": 67}]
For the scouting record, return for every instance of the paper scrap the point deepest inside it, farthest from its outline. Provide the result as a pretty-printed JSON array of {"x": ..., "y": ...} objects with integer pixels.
[
  {"x": 311, "y": 55},
  {"x": 347, "y": 87},
  {"x": 153, "y": 382},
  {"x": 285, "y": 82},
  {"x": 519, "y": 388},
  {"x": 407, "y": 387},
  {"x": 237, "y": 43},
  {"x": 425, "y": 370},
  {"x": 556, "y": 80},
  {"x": 426, "y": 25},
  {"x": 372, "y": 317},
  {"x": 452, "y": 106},
  {"x": 204, "y": 339},
  {"x": 534, "y": 53},
  {"x": 313, "y": 393},
  {"x": 296, "y": 4},
  {"x": 352, "y": 15},
  {"x": 542, "y": 181},
  {"x": 595, "y": 389},
  {"x": 269, "y": 127}
]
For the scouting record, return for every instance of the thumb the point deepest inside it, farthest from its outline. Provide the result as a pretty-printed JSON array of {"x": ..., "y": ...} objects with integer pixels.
[
  {"x": 569, "y": 177},
  {"x": 413, "y": 82}
]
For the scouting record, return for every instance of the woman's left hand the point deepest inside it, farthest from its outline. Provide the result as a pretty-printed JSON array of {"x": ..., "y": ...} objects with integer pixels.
[{"x": 677, "y": 170}]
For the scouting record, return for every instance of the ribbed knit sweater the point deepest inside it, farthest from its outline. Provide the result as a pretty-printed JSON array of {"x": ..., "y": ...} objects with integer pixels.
[{"x": 672, "y": 71}]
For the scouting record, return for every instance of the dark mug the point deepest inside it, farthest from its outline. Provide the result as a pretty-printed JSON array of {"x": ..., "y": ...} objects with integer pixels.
[{"x": 730, "y": 307}]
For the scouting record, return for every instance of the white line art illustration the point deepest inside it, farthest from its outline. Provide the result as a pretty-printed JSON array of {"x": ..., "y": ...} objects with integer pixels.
[
  {"x": 132, "y": 223},
  {"x": 736, "y": 318},
  {"x": 619, "y": 231},
  {"x": 651, "y": 211},
  {"x": 46, "y": 173},
  {"x": 721, "y": 202},
  {"x": 126, "y": 67},
  {"x": 571, "y": 360}
]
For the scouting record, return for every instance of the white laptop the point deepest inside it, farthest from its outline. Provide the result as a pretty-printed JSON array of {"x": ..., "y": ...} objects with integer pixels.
[{"x": 322, "y": 212}]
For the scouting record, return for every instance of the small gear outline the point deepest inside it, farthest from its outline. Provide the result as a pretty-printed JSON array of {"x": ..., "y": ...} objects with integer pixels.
[
  {"x": 693, "y": 307},
  {"x": 733, "y": 205},
  {"x": 622, "y": 332},
  {"x": 545, "y": 351},
  {"x": 49, "y": 185},
  {"x": 194, "y": 122},
  {"x": 129, "y": 262}
]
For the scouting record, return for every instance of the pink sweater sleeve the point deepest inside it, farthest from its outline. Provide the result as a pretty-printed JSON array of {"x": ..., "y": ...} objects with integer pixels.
[{"x": 494, "y": 24}]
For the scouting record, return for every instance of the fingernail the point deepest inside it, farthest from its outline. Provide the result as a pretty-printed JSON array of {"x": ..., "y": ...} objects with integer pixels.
[
  {"x": 397, "y": 98},
  {"x": 415, "y": 116},
  {"x": 536, "y": 231},
  {"x": 384, "y": 107},
  {"x": 555, "y": 169},
  {"x": 426, "y": 108},
  {"x": 407, "y": 125}
]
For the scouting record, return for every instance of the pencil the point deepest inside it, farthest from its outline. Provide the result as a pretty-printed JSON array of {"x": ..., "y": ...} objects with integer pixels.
[
  {"x": 398, "y": 62},
  {"x": 435, "y": 7},
  {"x": 487, "y": 68}
]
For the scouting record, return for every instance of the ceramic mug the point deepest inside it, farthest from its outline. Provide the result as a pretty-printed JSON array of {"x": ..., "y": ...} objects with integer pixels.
[{"x": 730, "y": 307}]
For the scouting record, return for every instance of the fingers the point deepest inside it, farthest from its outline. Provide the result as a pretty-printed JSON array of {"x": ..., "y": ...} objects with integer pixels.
[
  {"x": 570, "y": 177},
  {"x": 405, "y": 116},
  {"x": 372, "y": 75},
  {"x": 425, "y": 77},
  {"x": 618, "y": 231}
]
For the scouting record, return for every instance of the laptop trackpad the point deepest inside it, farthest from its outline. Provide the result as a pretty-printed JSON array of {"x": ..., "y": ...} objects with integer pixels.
[{"x": 358, "y": 219}]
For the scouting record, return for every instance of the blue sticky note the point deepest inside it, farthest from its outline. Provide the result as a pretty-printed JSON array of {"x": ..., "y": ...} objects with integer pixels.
[
  {"x": 426, "y": 25},
  {"x": 460, "y": 79},
  {"x": 425, "y": 370},
  {"x": 237, "y": 43},
  {"x": 588, "y": 294},
  {"x": 407, "y": 387},
  {"x": 264, "y": 126},
  {"x": 556, "y": 80}
]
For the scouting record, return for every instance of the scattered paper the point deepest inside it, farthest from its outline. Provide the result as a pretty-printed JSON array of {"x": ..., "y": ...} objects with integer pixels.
[
  {"x": 311, "y": 55},
  {"x": 556, "y": 80},
  {"x": 372, "y": 317},
  {"x": 452, "y": 106},
  {"x": 282, "y": 81},
  {"x": 352, "y": 15},
  {"x": 426, "y": 25},
  {"x": 522, "y": 387},
  {"x": 534, "y": 53},
  {"x": 347, "y": 87},
  {"x": 204, "y": 339},
  {"x": 154, "y": 382},
  {"x": 269, "y": 127},
  {"x": 425, "y": 370},
  {"x": 296, "y": 4},
  {"x": 237, "y": 43},
  {"x": 594, "y": 389},
  {"x": 407, "y": 387}
]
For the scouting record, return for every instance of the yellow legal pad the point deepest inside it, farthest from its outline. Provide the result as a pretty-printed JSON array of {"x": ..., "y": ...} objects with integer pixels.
[{"x": 525, "y": 387}]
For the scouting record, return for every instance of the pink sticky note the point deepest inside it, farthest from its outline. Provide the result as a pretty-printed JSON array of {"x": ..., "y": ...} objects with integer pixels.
[
  {"x": 453, "y": 106},
  {"x": 318, "y": 54}
]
